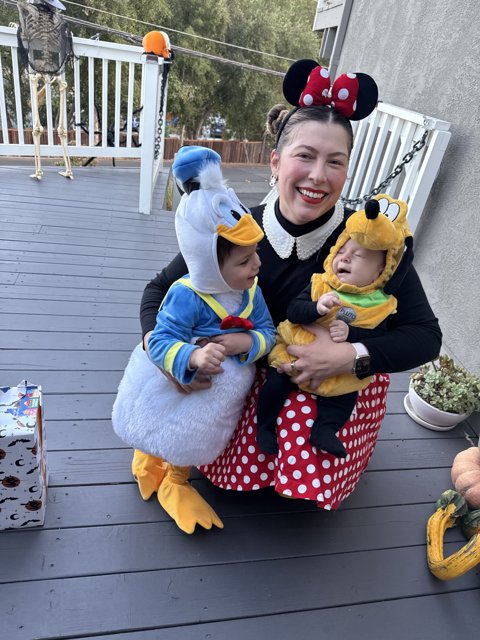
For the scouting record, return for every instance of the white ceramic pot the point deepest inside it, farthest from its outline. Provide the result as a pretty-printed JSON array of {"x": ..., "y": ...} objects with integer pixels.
[{"x": 431, "y": 415}]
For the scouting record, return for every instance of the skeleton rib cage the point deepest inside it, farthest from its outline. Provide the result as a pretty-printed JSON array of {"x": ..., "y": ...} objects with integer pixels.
[{"x": 44, "y": 39}]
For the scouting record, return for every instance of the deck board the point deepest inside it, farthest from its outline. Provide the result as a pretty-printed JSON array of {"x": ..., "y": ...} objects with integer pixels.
[{"x": 74, "y": 258}]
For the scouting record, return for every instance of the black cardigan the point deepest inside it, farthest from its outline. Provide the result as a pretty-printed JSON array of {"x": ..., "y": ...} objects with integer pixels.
[{"x": 413, "y": 334}]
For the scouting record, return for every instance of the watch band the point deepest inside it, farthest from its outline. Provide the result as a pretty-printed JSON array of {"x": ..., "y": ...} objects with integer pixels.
[{"x": 361, "y": 364}]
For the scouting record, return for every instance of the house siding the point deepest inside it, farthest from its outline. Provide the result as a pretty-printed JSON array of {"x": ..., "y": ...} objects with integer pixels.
[{"x": 424, "y": 56}]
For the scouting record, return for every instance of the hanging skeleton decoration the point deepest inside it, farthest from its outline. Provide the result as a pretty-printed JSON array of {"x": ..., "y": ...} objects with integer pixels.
[{"x": 45, "y": 46}]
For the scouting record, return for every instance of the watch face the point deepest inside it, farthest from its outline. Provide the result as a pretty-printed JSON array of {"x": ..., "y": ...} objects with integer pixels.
[{"x": 362, "y": 365}]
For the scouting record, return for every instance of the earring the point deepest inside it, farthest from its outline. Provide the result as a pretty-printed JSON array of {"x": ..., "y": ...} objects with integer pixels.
[{"x": 273, "y": 180}]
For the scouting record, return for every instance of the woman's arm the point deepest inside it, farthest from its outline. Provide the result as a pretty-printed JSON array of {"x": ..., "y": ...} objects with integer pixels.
[{"x": 156, "y": 290}]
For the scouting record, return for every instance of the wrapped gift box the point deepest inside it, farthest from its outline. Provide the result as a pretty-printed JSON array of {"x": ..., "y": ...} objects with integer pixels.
[{"x": 23, "y": 468}]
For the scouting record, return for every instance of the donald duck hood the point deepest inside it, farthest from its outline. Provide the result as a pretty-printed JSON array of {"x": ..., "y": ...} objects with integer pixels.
[{"x": 208, "y": 209}]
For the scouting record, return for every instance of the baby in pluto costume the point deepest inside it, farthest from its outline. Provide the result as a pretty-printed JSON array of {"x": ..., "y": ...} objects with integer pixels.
[
  {"x": 383, "y": 231},
  {"x": 172, "y": 431}
]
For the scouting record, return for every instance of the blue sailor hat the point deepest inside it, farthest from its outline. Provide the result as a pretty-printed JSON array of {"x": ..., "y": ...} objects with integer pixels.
[{"x": 190, "y": 160}]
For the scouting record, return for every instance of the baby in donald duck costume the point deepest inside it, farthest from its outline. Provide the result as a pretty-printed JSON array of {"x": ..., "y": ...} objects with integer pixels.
[
  {"x": 349, "y": 300},
  {"x": 213, "y": 321}
]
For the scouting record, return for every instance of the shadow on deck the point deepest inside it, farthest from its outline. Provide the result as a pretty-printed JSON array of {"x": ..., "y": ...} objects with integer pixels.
[{"x": 74, "y": 258}]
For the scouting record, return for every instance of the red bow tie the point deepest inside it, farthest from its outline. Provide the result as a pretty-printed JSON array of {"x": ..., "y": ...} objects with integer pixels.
[{"x": 234, "y": 322}]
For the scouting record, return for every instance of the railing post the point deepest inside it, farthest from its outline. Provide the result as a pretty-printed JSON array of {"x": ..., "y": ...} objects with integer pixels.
[{"x": 151, "y": 79}]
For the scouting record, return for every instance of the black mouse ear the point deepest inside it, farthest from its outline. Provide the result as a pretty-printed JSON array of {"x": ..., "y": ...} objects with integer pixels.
[
  {"x": 367, "y": 97},
  {"x": 296, "y": 79}
]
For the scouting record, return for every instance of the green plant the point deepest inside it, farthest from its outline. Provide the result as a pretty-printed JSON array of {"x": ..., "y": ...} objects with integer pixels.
[{"x": 447, "y": 386}]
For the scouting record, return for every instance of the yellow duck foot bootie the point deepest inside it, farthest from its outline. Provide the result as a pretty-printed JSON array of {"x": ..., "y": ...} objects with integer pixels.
[
  {"x": 149, "y": 472},
  {"x": 183, "y": 503}
]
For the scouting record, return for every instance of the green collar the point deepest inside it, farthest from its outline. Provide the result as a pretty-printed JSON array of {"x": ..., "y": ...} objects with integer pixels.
[{"x": 365, "y": 300}]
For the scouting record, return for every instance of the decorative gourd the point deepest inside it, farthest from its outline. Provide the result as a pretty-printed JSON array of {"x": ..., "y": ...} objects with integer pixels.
[
  {"x": 450, "y": 507},
  {"x": 466, "y": 475}
]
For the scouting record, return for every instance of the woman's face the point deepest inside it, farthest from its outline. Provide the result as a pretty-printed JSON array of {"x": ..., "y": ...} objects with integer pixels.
[{"x": 312, "y": 169}]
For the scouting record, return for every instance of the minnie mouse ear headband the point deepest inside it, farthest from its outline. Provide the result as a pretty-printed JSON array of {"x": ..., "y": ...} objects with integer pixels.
[{"x": 306, "y": 84}]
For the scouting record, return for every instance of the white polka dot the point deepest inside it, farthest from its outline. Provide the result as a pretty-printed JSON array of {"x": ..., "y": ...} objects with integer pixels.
[
  {"x": 255, "y": 486},
  {"x": 300, "y": 441},
  {"x": 316, "y": 483},
  {"x": 325, "y": 93},
  {"x": 305, "y": 455},
  {"x": 324, "y": 73},
  {"x": 327, "y": 507},
  {"x": 287, "y": 446},
  {"x": 263, "y": 476},
  {"x": 234, "y": 478},
  {"x": 297, "y": 474},
  {"x": 246, "y": 479},
  {"x": 328, "y": 493},
  {"x": 309, "y": 422},
  {"x": 344, "y": 433},
  {"x": 251, "y": 449},
  {"x": 254, "y": 419},
  {"x": 244, "y": 441},
  {"x": 287, "y": 402},
  {"x": 295, "y": 426},
  {"x": 351, "y": 75},
  {"x": 302, "y": 488},
  {"x": 291, "y": 460},
  {"x": 283, "y": 479},
  {"x": 306, "y": 409},
  {"x": 287, "y": 492},
  {"x": 290, "y": 414},
  {"x": 229, "y": 486},
  {"x": 301, "y": 397},
  {"x": 311, "y": 468},
  {"x": 307, "y": 99},
  {"x": 326, "y": 464},
  {"x": 327, "y": 478},
  {"x": 279, "y": 421},
  {"x": 355, "y": 105},
  {"x": 271, "y": 466},
  {"x": 239, "y": 469},
  {"x": 250, "y": 430},
  {"x": 261, "y": 457},
  {"x": 343, "y": 94},
  {"x": 320, "y": 497},
  {"x": 244, "y": 459},
  {"x": 283, "y": 433},
  {"x": 253, "y": 468}
]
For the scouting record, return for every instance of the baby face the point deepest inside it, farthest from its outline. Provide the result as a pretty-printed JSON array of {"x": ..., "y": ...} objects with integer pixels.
[
  {"x": 357, "y": 265},
  {"x": 241, "y": 266}
]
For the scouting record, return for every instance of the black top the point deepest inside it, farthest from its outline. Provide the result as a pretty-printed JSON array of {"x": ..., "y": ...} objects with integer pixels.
[{"x": 413, "y": 335}]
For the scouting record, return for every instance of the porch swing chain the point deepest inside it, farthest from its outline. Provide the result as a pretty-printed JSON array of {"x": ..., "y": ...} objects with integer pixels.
[
  {"x": 417, "y": 145},
  {"x": 158, "y": 134}
]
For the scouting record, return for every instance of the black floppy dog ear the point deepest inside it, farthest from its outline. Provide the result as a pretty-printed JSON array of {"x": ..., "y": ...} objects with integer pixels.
[{"x": 407, "y": 259}]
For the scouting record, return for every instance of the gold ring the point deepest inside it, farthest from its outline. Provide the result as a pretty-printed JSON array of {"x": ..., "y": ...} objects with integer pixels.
[{"x": 292, "y": 365}]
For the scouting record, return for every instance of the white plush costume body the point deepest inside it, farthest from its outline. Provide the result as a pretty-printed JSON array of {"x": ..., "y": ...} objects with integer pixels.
[{"x": 149, "y": 412}]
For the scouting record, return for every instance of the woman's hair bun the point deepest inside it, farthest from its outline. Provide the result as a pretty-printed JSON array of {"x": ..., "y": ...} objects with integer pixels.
[{"x": 275, "y": 117}]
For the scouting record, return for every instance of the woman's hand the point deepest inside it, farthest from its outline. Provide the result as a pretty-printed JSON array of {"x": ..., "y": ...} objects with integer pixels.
[
  {"x": 320, "y": 359},
  {"x": 234, "y": 343}
]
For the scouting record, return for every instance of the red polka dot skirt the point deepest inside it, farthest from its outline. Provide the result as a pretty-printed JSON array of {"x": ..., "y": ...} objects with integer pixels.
[{"x": 299, "y": 470}]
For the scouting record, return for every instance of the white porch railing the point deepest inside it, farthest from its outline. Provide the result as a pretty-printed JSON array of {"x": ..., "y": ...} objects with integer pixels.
[
  {"x": 381, "y": 142},
  {"x": 109, "y": 82}
]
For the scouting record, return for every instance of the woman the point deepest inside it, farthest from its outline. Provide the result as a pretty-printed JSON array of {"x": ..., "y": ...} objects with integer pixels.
[{"x": 309, "y": 167}]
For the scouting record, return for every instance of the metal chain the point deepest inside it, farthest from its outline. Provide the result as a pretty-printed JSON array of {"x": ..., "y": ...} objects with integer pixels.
[
  {"x": 158, "y": 134},
  {"x": 417, "y": 145}
]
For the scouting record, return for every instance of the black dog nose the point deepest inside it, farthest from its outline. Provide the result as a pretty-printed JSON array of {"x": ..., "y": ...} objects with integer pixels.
[{"x": 372, "y": 209}]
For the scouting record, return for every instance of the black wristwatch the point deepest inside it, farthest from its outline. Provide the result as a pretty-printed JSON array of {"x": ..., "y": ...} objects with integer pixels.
[{"x": 361, "y": 364}]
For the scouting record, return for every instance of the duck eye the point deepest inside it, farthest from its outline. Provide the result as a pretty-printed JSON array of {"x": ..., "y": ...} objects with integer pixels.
[{"x": 235, "y": 214}]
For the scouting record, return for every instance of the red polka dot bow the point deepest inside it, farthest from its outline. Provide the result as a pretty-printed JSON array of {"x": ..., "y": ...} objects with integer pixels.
[
  {"x": 341, "y": 96},
  {"x": 235, "y": 322},
  {"x": 307, "y": 84}
]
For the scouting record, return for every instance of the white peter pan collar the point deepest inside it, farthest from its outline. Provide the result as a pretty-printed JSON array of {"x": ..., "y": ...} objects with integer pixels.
[{"x": 308, "y": 244}]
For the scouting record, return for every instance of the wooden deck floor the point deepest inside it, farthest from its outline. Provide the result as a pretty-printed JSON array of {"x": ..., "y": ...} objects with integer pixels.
[{"x": 74, "y": 258}]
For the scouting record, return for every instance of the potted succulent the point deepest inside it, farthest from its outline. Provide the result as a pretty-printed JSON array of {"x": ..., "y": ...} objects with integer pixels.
[{"x": 442, "y": 394}]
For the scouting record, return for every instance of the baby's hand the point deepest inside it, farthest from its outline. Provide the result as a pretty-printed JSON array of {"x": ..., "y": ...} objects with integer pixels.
[
  {"x": 234, "y": 343},
  {"x": 339, "y": 331},
  {"x": 208, "y": 359},
  {"x": 327, "y": 302}
]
